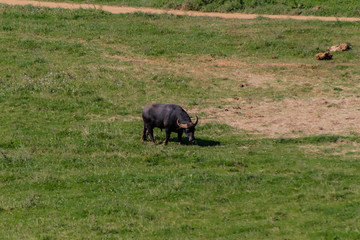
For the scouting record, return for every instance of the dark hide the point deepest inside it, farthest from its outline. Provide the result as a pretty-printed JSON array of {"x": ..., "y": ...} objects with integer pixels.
[{"x": 170, "y": 117}]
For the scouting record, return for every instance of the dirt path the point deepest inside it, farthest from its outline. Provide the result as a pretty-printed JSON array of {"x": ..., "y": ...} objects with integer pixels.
[{"x": 118, "y": 10}]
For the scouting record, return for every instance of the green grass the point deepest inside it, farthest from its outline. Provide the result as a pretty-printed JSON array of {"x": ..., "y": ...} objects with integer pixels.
[
  {"x": 293, "y": 7},
  {"x": 67, "y": 172}
]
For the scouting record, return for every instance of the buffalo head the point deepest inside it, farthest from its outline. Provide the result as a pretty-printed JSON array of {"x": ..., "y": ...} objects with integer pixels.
[{"x": 189, "y": 128}]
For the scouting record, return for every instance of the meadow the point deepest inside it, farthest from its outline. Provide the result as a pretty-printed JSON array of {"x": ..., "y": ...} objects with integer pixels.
[
  {"x": 340, "y": 8},
  {"x": 72, "y": 166}
]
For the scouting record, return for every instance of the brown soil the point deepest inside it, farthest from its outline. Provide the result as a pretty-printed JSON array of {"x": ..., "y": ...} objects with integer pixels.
[
  {"x": 118, "y": 10},
  {"x": 290, "y": 117}
]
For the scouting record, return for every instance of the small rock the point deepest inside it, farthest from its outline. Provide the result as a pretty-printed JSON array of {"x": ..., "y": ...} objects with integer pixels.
[
  {"x": 324, "y": 56},
  {"x": 339, "y": 48},
  {"x": 275, "y": 57},
  {"x": 344, "y": 47},
  {"x": 317, "y": 8},
  {"x": 333, "y": 48}
]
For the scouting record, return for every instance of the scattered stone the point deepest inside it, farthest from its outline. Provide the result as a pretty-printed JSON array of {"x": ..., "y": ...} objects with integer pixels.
[
  {"x": 333, "y": 48},
  {"x": 236, "y": 98},
  {"x": 226, "y": 110},
  {"x": 339, "y": 48},
  {"x": 317, "y": 8},
  {"x": 324, "y": 56},
  {"x": 275, "y": 57},
  {"x": 344, "y": 47}
]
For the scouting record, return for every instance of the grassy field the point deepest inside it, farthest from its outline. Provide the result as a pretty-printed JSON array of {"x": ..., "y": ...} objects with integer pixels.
[
  {"x": 294, "y": 7},
  {"x": 72, "y": 167}
]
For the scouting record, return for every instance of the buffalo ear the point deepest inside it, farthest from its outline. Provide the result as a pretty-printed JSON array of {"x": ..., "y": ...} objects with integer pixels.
[{"x": 182, "y": 125}]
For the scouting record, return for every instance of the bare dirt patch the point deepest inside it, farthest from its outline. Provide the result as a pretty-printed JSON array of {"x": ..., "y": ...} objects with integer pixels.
[
  {"x": 290, "y": 117},
  {"x": 284, "y": 118},
  {"x": 207, "y": 67},
  {"x": 123, "y": 10}
]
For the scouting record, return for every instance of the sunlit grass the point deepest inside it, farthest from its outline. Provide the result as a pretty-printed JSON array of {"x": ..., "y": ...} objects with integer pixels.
[
  {"x": 72, "y": 165},
  {"x": 294, "y": 7}
]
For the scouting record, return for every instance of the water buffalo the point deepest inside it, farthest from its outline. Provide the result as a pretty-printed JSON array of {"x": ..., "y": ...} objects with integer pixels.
[{"x": 171, "y": 117}]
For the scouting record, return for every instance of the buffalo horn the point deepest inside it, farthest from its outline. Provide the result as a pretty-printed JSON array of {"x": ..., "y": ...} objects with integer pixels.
[
  {"x": 182, "y": 125},
  {"x": 196, "y": 121}
]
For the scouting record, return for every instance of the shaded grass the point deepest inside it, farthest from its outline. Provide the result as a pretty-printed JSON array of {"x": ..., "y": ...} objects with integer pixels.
[{"x": 67, "y": 171}]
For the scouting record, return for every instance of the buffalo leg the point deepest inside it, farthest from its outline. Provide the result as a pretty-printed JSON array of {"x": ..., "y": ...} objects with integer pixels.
[
  {"x": 179, "y": 136},
  {"x": 167, "y": 137},
  {"x": 150, "y": 132},
  {"x": 143, "y": 137}
]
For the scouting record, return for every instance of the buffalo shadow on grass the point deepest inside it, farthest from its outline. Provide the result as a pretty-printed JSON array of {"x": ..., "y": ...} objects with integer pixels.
[
  {"x": 198, "y": 142},
  {"x": 206, "y": 143}
]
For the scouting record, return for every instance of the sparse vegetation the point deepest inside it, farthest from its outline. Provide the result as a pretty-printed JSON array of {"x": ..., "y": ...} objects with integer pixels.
[
  {"x": 71, "y": 163},
  {"x": 349, "y": 8}
]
